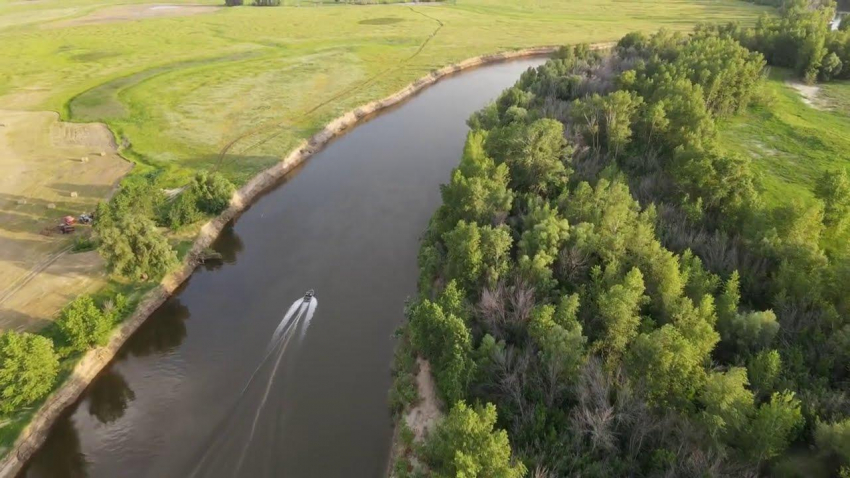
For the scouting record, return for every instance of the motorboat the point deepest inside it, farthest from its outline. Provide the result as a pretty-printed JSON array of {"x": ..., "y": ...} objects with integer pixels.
[{"x": 309, "y": 295}]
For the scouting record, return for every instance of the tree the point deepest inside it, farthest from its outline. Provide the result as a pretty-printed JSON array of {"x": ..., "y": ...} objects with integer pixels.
[
  {"x": 83, "y": 324},
  {"x": 558, "y": 334},
  {"x": 833, "y": 189},
  {"x": 773, "y": 427},
  {"x": 213, "y": 191},
  {"x": 183, "y": 210},
  {"x": 133, "y": 247},
  {"x": 466, "y": 445},
  {"x": 476, "y": 255},
  {"x": 439, "y": 333},
  {"x": 28, "y": 369},
  {"x": 669, "y": 366},
  {"x": 534, "y": 153},
  {"x": 619, "y": 311},
  {"x": 478, "y": 190},
  {"x": 728, "y": 404},
  {"x": 763, "y": 369},
  {"x": 834, "y": 439}
]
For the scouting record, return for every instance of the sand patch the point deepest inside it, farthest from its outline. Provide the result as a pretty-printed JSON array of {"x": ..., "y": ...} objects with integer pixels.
[
  {"x": 50, "y": 169},
  {"x": 124, "y": 13},
  {"x": 422, "y": 417},
  {"x": 809, "y": 94}
]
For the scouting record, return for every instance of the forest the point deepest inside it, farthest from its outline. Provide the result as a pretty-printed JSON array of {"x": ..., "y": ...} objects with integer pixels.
[{"x": 604, "y": 292}]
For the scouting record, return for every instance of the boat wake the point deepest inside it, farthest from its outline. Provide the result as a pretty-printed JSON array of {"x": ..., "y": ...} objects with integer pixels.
[{"x": 225, "y": 453}]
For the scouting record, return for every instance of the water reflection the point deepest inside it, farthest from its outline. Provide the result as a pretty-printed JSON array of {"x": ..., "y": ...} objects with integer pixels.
[
  {"x": 109, "y": 396},
  {"x": 163, "y": 332},
  {"x": 61, "y": 455},
  {"x": 228, "y": 245}
]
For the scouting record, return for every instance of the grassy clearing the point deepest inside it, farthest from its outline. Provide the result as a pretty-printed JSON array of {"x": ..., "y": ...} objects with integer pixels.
[{"x": 792, "y": 143}]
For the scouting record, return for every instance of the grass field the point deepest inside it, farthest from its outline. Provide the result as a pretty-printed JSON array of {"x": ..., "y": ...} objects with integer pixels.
[
  {"x": 793, "y": 142},
  {"x": 177, "y": 83}
]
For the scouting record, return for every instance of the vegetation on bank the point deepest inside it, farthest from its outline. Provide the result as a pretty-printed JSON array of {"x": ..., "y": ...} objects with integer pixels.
[{"x": 608, "y": 275}]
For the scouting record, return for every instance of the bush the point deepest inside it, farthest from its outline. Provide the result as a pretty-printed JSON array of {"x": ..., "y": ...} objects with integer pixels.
[
  {"x": 84, "y": 244},
  {"x": 213, "y": 192},
  {"x": 465, "y": 443},
  {"x": 184, "y": 210},
  {"x": 83, "y": 325},
  {"x": 233, "y": 3},
  {"x": 28, "y": 369},
  {"x": 133, "y": 247}
]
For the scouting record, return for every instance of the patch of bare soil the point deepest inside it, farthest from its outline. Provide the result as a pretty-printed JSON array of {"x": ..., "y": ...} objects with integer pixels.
[
  {"x": 123, "y": 13},
  {"x": 50, "y": 169},
  {"x": 809, "y": 94},
  {"x": 422, "y": 417}
]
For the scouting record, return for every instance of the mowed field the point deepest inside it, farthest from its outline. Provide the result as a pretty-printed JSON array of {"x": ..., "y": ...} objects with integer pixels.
[{"x": 179, "y": 83}]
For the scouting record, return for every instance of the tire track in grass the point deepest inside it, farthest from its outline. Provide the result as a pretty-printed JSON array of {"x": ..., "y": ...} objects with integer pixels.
[{"x": 346, "y": 92}]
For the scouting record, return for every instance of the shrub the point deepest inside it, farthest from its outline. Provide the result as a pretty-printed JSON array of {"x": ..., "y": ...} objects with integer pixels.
[
  {"x": 233, "y": 3},
  {"x": 213, "y": 192},
  {"x": 28, "y": 369},
  {"x": 184, "y": 210},
  {"x": 83, "y": 324},
  {"x": 133, "y": 247},
  {"x": 466, "y": 443}
]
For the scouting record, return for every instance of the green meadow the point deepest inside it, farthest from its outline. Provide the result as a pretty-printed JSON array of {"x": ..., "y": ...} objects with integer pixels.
[
  {"x": 791, "y": 142},
  {"x": 176, "y": 89}
]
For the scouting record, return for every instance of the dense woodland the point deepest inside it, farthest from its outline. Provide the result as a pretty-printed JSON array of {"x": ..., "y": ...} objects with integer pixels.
[{"x": 603, "y": 291}]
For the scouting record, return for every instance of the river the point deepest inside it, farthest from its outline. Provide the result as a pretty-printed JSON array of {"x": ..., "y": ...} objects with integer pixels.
[{"x": 179, "y": 396}]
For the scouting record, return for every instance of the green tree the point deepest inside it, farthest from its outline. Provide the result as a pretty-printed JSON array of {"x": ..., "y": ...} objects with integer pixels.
[
  {"x": 476, "y": 255},
  {"x": 763, "y": 369},
  {"x": 83, "y": 325},
  {"x": 441, "y": 336},
  {"x": 133, "y": 247},
  {"x": 833, "y": 189},
  {"x": 467, "y": 445},
  {"x": 727, "y": 403},
  {"x": 773, "y": 427},
  {"x": 558, "y": 334},
  {"x": 535, "y": 154},
  {"x": 213, "y": 191},
  {"x": 834, "y": 439},
  {"x": 669, "y": 366},
  {"x": 183, "y": 210},
  {"x": 28, "y": 369},
  {"x": 478, "y": 190},
  {"x": 619, "y": 311}
]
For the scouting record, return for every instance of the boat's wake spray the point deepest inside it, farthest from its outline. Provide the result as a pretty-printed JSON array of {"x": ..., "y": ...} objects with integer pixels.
[{"x": 231, "y": 431}]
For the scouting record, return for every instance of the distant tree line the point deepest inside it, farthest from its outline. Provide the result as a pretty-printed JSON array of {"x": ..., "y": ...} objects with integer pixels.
[
  {"x": 799, "y": 38},
  {"x": 256, "y": 3},
  {"x": 607, "y": 277}
]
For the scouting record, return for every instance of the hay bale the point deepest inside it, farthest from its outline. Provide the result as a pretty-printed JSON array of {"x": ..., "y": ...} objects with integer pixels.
[
  {"x": 103, "y": 153},
  {"x": 22, "y": 201},
  {"x": 84, "y": 159},
  {"x": 51, "y": 206},
  {"x": 73, "y": 194}
]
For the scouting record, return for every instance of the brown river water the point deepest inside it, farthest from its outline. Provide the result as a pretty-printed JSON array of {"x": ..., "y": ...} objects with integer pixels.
[{"x": 180, "y": 400}]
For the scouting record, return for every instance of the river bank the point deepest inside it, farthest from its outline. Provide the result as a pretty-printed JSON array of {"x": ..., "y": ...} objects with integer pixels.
[{"x": 93, "y": 362}]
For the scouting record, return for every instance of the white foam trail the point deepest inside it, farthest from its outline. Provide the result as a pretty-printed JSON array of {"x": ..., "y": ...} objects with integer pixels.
[
  {"x": 310, "y": 311},
  {"x": 262, "y": 404},
  {"x": 279, "y": 330}
]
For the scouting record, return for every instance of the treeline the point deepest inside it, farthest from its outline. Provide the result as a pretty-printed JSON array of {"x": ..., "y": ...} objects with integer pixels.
[
  {"x": 608, "y": 277},
  {"x": 800, "y": 38},
  {"x": 129, "y": 236}
]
